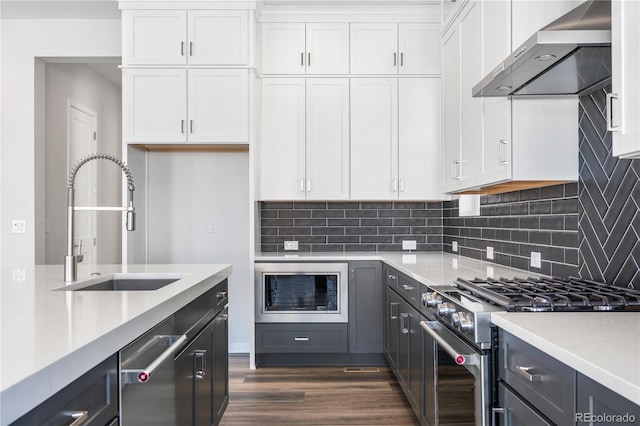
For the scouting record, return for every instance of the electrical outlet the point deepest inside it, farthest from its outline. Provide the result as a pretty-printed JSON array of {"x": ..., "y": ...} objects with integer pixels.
[
  {"x": 536, "y": 260},
  {"x": 19, "y": 274},
  {"x": 408, "y": 244},
  {"x": 454, "y": 246},
  {"x": 213, "y": 226},
  {"x": 490, "y": 272},
  {"x": 291, "y": 245},
  {"x": 489, "y": 252},
  {"x": 18, "y": 226}
]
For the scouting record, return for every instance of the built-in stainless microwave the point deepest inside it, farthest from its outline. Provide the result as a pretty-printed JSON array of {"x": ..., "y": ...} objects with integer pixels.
[{"x": 301, "y": 292}]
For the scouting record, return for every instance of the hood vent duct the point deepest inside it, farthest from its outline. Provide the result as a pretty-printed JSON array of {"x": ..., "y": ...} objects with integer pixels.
[{"x": 570, "y": 56}]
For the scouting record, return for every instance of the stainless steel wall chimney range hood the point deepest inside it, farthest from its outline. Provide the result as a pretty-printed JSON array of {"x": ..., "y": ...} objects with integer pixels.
[{"x": 571, "y": 55}]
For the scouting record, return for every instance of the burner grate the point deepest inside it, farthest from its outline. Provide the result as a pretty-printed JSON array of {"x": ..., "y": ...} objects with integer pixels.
[{"x": 551, "y": 294}]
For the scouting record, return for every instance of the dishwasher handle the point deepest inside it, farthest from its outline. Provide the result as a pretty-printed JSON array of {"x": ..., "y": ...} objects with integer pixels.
[{"x": 143, "y": 375}]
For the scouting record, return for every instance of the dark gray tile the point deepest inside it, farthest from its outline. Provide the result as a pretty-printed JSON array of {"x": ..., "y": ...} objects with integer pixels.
[
  {"x": 267, "y": 239},
  {"x": 571, "y": 189},
  {"x": 503, "y": 234},
  {"x": 494, "y": 222},
  {"x": 475, "y": 232},
  {"x": 419, "y": 213},
  {"x": 435, "y": 205},
  {"x": 360, "y": 247},
  {"x": 309, "y": 205},
  {"x": 503, "y": 210},
  {"x": 520, "y": 236},
  {"x": 376, "y": 239},
  {"x": 435, "y": 238},
  {"x": 376, "y": 222},
  {"x": 270, "y": 205},
  {"x": 346, "y": 205},
  {"x": 571, "y": 256},
  {"x": 519, "y": 209},
  {"x": 472, "y": 253},
  {"x": 476, "y": 222},
  {"x": 302, "y": 248},
  {"x": 294, "y": 230},
  {"x": 409, "y": 205},
  {"x": 376, "y": 205},
  {"x": 360, "y": 230},
  {"x": 269, "y": 231},
  {"x": 564, "y": 206},
  {"x": 492, "y": 199},
  {"x": 327, "y": 213},
  {"x": 555, "y": 191},
  {"x": 530, "y": 222},
  {"x": 545, "y": 268},
  {"x": 553, "y": 222},
  {"x": 327, "y": 230},
  {"x": 408, "y": 222},
  {"x": 530, "y": 194},
  {"x": 311, "y": 239},
  {"x": 394, "y": 213},
  {"x": 511, "y": 248},
  {"x": 510, "y": 197},
  {"x": 361, "y": 213},
  {"x": 309, "y": 222},
  {"x": 488, "y": 234},
  {"x": 268, "y": 214},
  {"x": 520, "y": 263},
  {"x": 393, "y": 230},
  {"x": 489, "y": 210},
  {"x": 565, "y": 239},
  {"x": 389, "y": 247},
  {"x": 553, "y": 254},
  {"x": 429, "y": 247},
  {"x": 571, "y": 222},
  {"x": 510, "y": 222},
  {"x": 288, "y": 214},
  {"x": 343, "y": 222},
  {"x": 539, "y": 237},
  {"x": 269, "y": 248},
  {"x": 327, "y": 248},
  {"x": 417, "y": 238},
  {"x": 561, "y": 270},
  {"x": 502, "y": 259},
  {"x": 276, "y": 222},
  {"x": 451, "y": 231},
  {"x": 540, "y": 207},
  {"x": 434, "y": 221}
]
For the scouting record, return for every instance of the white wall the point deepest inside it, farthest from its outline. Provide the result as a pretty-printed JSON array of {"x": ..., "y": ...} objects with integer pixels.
[
  {"x": 185, "y": 191},
  {"x": 21, "y": 42},
  {"x": 82, "y": 85}
]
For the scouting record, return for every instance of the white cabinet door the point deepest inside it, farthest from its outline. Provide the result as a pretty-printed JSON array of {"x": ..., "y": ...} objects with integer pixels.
[
  {"x": 625, "y": 123},
  {"x": 497, "y": 139},
  {"x": 419, "y": 155},
  {"x": 471, "y": 108},
  {"x": 451, "y": 168},
  {"x": 154, "y": 105},
  {"x": 327, "y": 47},
  {"x": 218, "y": 105},
  {"x": 374, "y": 48},
  {"x": 218, "y": 37},
  {"x": 419, "y": 48},
  {"x": 282, "y": 149},
  {"x": 374, "y": 138},
  {"x": 154, "y": 37},
  {"x": 327, "y": 141},
  {"x": 283, "y": 48}
]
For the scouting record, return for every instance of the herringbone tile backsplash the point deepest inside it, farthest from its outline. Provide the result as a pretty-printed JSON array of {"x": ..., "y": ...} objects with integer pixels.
[{"x": 609, "y": 201}]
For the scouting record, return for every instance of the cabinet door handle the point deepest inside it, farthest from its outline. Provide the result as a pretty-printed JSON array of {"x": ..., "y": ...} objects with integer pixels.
[
  {"x": 191, "y": 126},
  {"x": 309, "y": 59},
  {"x": 391, "y": 313},
  {"x": 524, "y": 372},
  {"x": 221, "y": 294},
  {"x": 503, "y": 152},
  {"x": 182, "y": 48},
  {"x": 402, "y": 185},
  {"x": 609, "y": 112},
  {"x": 453, "y": 169},
  {"x": 403, "y": 327},
  {"x": 302, "y": 59},
  {"x": 301, "y": 339},
  {"x": 395, "y": 59},
  {"x": 190, "y": 48},
  {"x": 182, "y": 126},
  {"x": 301, "y": 185},
  {"x": 401, "y": 59},
  {"x": 394, "y": 184},
  {"x": 308, "y": 185},
  {"x": 202, "y": 356},
  {"x": 78, "y": 417}
]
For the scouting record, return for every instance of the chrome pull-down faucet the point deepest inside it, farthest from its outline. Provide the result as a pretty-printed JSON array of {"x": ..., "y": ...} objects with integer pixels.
[{"x": 71, "y": 260}]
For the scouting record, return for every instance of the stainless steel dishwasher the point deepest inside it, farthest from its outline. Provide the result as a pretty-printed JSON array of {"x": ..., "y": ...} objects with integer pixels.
[{"x": 167, "y": 374}]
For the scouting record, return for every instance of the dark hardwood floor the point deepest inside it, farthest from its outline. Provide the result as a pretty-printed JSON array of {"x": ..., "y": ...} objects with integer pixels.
[{"x": 313, "y": 396}]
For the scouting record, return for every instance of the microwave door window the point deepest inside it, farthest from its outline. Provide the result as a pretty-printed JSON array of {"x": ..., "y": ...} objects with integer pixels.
[{"x": 301, "y": 293}]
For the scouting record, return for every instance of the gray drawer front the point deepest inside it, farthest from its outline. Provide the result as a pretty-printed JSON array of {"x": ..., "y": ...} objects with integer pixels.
[
  {"x": 545, "y": 382},
  {"x": 410, "y": 290},
  {"x": 596, "y": 400},
  {"x": 301, "y": 338},
  {"x": 516, "y": 412}
]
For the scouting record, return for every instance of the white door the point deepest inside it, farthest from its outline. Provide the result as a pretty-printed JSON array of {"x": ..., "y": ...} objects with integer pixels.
[
  {"x": 218, "y": 37},
  {"x": 374, "y": 49},
  {"x": 451, "y": 168},
  {"x": 154, "y": 105},
  {"x": 218, "y": 105},
  {"x": 374, "y": 138},
  {"x": 327, "y": 145},
  {"x": 282, "y": 146},
  {"x": 497, "y": 136},
  {"x": 82, "y": 141},
  {"x": 625, "y": 16},
  {"x": 419, "y": 49},
  {"x": 471, "y": 108},
  {"x": 419, "y": 152},
  {"x": 327, "y": 47},
  {"x": 283, "y": 48},
  {"x": 154, "y": 37}
]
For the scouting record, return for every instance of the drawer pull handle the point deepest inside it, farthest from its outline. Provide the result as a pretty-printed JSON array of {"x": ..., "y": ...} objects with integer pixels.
[
  {"x": 524, "y": 372},
  {"x": 406, "y": 287},
  {"x": 221, "y": 294},
  {"x": 78, "y": 417},
  {"x": 301, "y": 339}
]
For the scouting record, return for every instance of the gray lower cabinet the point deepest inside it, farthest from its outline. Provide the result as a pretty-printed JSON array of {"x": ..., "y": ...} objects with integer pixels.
[
  {"x": 366, "y": 302},
  {"x": 392, "y": 328},
  {"x": 598, "y": 405},
  {"x": 298, "y": 338},
  {"x": 220, "y": 365},
  {"x": 93, "y": 397},
  {"x": 516, "y": 412}
]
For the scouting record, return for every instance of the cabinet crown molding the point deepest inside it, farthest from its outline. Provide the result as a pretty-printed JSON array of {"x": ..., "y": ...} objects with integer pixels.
[{"x": 187, "y": 5}]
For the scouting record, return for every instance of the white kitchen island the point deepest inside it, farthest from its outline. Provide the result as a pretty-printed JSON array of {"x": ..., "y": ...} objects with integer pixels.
[{"x": 50, "y": 337}]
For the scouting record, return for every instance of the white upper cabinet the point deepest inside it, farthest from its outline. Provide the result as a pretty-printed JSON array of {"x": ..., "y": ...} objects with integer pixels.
[
  {"x": 179, "y": 37},
  {"x": 451, "y": 166},
  {"x": 624, "y": 101},
  {"x": 305, "y": 48},
  {"x": 395, "y": 48},
  {"x": 163, "y": 105},
  {"x": 374, "y": 138},
  {"x": 419, "y": 139},
  {"x": 304, "y": 152}
]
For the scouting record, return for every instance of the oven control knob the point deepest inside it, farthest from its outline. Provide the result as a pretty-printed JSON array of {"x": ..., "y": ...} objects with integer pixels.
[
  {"x": 446, "y": 308},
  {"x": 466, "y": 323},
  {"x": 455, "y": 319},
  {"x": 433, "y": 299}
]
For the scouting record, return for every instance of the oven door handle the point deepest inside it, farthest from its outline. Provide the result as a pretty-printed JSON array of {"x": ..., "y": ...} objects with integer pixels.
[{"x": 467, "y": 358}]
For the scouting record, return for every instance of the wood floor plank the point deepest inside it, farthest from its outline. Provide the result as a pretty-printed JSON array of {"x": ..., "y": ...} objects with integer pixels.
[{"x": 313, "y": 396}]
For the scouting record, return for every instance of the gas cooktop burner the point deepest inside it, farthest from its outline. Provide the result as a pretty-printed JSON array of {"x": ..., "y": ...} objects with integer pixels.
[{"x": 553, "y": 294}]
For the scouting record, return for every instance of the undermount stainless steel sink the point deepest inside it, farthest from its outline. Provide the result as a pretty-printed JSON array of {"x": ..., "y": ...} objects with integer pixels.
[{"x": 124, "y": 282}]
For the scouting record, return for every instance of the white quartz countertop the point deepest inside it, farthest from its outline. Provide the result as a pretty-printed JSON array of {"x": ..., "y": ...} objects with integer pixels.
[
  {"x": 49, "y": 338},
  {"x": 604, "y": 346},
  {"x": 429, "y": 268}
]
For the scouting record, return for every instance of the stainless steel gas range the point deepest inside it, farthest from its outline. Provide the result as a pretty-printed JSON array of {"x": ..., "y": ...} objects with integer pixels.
[{"x": 460, "y": 344}]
